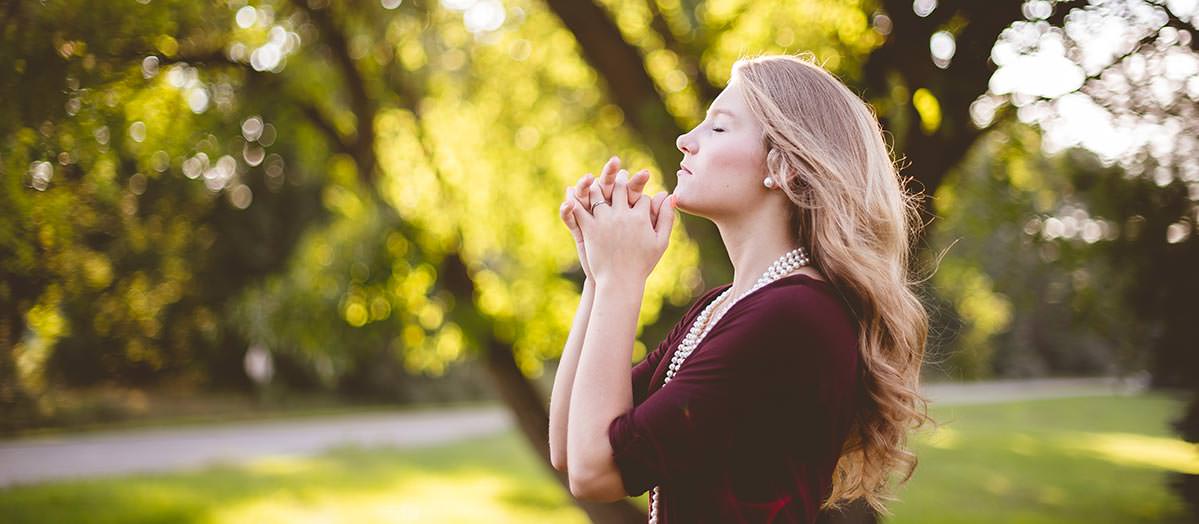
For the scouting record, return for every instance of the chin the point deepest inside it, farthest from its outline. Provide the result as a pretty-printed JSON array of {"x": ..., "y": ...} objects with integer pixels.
[{"x": 680, "y": 202}]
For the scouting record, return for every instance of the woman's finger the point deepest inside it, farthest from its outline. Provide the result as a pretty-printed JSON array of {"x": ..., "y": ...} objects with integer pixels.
[
  {"x": 620, "y": 191},
  {"x": 582, "y": 217},
  {"x": 665, "y": 221},
  {"x": 564, "y": 208},
  {"x": 608, "y": 177},
  {"x": 637, "y": 185},
  {"x": 581, "y": 201},
  {"x": 596, "y": 196},
  {"x": 581, "y": 189},
  {"x": 655, "y": 205},
  {"x": 566, "y": 211}
]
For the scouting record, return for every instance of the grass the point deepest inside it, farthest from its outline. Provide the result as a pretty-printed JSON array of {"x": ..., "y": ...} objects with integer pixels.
[
  {"x": 1093, "y": 460},
  {"x": 492, "y": 479}
]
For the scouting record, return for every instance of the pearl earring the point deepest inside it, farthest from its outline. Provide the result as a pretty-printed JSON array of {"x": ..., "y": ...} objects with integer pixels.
[{"x": 768, "y": 182}]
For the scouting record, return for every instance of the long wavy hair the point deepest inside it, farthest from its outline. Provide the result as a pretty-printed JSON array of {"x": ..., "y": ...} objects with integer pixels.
[{"x": 825, "y": 147}]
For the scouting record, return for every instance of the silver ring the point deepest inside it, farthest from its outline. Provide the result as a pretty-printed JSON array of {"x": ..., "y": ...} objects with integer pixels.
[{"x": 593, "y": 206}]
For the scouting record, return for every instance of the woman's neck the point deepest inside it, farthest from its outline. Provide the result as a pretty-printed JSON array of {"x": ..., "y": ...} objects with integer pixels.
[
  {"x": 756, "y": 237},
  {"x": 752, "y": 255}
]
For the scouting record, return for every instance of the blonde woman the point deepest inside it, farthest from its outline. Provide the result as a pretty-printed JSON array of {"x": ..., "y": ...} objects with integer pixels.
[{"x": 792, "y": 388}]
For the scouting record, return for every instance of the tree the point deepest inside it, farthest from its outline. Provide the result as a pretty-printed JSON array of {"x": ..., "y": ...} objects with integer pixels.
[
  {"x": 432, "y": 137},
  {"x": 103, "y": 254}
]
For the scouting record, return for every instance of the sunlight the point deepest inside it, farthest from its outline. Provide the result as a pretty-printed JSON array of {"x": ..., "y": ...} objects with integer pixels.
[
  {"x": 1138, "y": 450},
  {"x": 1023, "y": 444},
  {"x": 420, "y": 497},
  {"x": 997, "y": 484},
  {"x": 284, "y": 465},
  {"x": 943, "y": 438}
]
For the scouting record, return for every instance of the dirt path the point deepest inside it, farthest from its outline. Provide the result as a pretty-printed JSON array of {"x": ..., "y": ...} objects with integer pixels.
[{"x": 40, "y": 459}]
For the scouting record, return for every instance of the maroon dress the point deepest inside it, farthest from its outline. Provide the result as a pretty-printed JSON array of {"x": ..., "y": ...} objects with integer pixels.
[{"x": 750, "y": 427}]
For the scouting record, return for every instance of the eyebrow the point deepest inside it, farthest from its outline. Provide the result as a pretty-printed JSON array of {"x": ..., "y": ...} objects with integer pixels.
[{"x": 725, "y": 111}]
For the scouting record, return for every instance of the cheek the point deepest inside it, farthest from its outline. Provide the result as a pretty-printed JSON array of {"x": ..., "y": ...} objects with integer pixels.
[{"x": 737, "y": 158}]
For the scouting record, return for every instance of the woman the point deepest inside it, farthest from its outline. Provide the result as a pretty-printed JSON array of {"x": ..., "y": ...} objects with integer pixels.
[{"x": 787, "y": 391}]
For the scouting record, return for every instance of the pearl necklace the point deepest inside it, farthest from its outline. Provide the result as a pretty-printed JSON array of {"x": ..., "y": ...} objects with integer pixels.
[{"x": 790, "y": 261}]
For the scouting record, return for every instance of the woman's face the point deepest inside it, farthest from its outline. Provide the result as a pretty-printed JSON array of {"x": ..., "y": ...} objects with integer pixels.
[{"x": 724, "y": 159}]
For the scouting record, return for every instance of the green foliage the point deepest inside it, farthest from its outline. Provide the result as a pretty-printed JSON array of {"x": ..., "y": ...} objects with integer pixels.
[
  {"x": 165, "y": 170},
  {"x": 130, "y": 200},
  {"x": 1030, "y": 305}
]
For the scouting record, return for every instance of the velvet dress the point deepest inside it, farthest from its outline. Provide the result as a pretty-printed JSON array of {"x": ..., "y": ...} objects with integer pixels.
[{"x": 750, "y": 428}]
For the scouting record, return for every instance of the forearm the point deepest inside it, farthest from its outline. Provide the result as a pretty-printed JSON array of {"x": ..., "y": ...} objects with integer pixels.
[
  {"x": 601, "y": 384},
  {"x": 565, "y": 376}
]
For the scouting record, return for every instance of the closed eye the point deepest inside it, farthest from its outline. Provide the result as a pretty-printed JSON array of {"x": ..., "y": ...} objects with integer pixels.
[{"x": 718, "y": 129}]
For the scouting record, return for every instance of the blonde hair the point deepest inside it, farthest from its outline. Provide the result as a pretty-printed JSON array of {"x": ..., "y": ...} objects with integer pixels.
[{"x": 825, "y": 146}]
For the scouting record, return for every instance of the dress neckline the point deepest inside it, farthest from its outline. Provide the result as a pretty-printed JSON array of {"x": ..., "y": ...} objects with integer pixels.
[
  {"x": 721, "y": 289},
  {"x": 724, "y": 287}
]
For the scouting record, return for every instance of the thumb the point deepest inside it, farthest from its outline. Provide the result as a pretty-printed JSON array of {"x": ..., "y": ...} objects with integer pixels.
[
  {"x": 568, "y": 217},
  {"x": 582, "y": 218},
  {"x": 655, "y": 205},
  {"x": 665, "y": 220}
]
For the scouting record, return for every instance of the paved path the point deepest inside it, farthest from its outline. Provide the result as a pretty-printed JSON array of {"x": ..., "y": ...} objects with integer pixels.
[{"x": 40, "y": 459}]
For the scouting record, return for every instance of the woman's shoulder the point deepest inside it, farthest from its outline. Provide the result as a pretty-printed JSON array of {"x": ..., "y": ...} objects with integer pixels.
[
  {"x": 795, "y": 320},
  {"x": 794, "y": 296},
  {"x": 799, "y": 300},
  {"x": 799, "y": 289}
]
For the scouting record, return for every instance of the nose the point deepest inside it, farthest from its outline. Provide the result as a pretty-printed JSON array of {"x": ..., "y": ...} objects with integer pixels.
[{"x": 684, "y": 143}]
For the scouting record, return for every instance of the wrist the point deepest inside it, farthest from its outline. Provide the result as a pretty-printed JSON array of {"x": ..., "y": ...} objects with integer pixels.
[{"x": 622, "y": 283}]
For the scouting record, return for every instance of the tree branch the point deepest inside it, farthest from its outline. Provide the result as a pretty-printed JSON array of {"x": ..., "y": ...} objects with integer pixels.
[
  {"x": 689, "y": 54},
  {"x": 216, "y": 57},
  {"x": 622, "y": 66},
  {"x": 360, "y": 101}
]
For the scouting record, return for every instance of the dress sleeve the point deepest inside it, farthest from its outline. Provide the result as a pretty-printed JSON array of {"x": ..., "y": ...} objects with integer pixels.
[
  {"x": 643, "y": 371},
  {"x": 685, "y": 429}
]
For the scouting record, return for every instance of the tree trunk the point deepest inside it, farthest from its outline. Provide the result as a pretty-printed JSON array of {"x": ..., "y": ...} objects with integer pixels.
[
  {"x": 1186, "y": 485},
  {"x": 16, "y": 406},
  {"x": 533, "y": 420},
  {"x": 622, "y": 67}
]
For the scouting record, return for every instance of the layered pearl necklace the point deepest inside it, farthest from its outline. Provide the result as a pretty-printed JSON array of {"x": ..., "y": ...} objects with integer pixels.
[{"x": 790, "y": 261}]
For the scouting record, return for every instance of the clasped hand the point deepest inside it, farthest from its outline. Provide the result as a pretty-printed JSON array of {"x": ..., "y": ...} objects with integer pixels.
[{"x": 618, "y": 231}]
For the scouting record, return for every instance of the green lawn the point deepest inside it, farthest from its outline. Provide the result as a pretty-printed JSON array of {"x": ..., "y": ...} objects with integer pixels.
[
  {"x": 1066, "y": 460},
  {"x": 1092, "y": 460}
]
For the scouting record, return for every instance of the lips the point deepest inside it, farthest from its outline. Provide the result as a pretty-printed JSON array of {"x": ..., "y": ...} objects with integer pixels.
[{"x": 683, "y": 170}]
